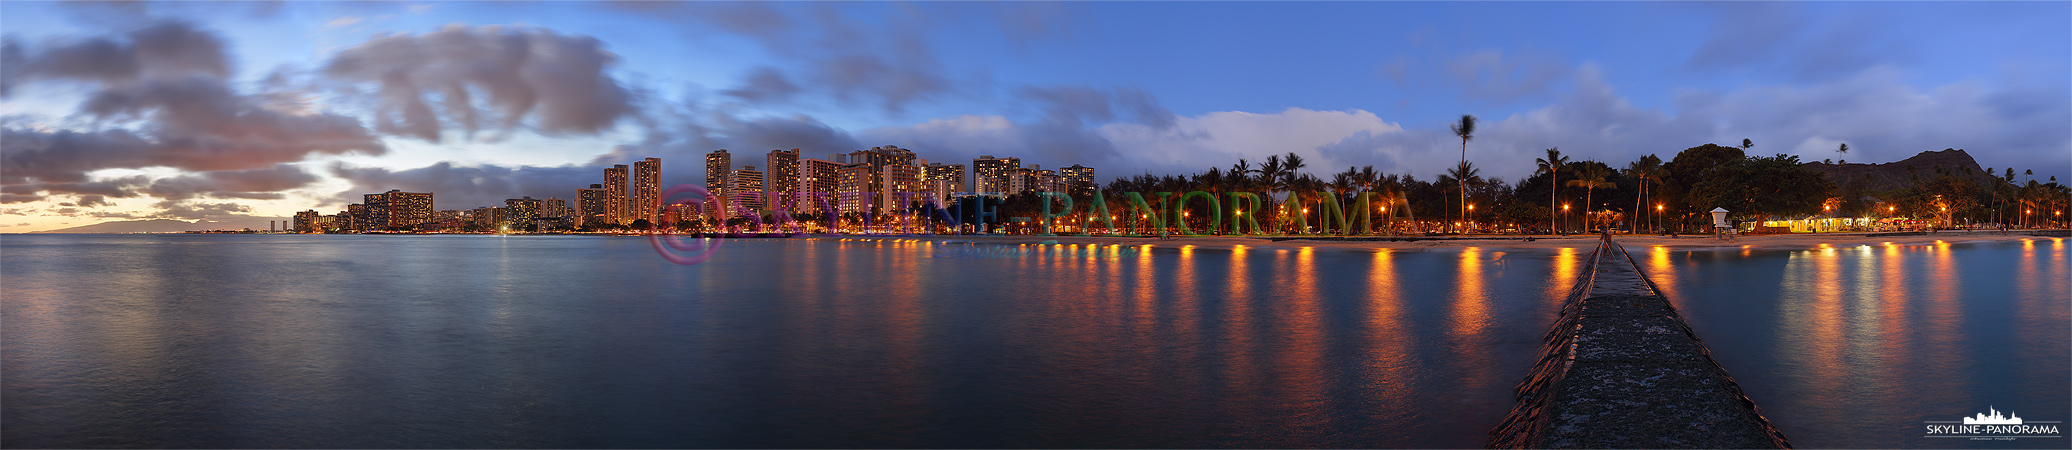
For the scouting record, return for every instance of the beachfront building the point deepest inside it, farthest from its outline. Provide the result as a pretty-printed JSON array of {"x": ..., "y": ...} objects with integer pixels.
[
  {"x": 990, "y": 175},
  {"x": 719, "y": 168},
  {"x": 647, "y": 189},
  {"x": 592, "y": 206},
  {"x": 615, "y": 189},
  {"x": 1078, "y": 180},
  {"x": 817, "y": 182},
  {"x": 747, "y": 189},
  {"x": 781, "y": 170}
]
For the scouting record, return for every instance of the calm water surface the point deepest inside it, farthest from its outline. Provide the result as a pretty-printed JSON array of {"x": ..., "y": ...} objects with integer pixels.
[{"x": 480, "y": 341}]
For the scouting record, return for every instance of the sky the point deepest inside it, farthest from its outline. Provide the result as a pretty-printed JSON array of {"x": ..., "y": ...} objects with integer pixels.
[{"x": 214, "y": 110}]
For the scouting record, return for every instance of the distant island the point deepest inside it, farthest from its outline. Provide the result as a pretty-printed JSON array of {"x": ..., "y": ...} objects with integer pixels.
[{"x": 168, "y": 226}]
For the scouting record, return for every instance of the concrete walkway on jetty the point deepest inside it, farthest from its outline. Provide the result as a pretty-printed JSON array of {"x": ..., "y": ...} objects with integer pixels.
[{"x": 1620, "y": 369}]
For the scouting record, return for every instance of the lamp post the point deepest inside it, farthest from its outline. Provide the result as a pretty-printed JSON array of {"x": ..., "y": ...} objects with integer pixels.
[
  {"x": 1658, "y": 217},
  {"x": 1564, "y": 216}
]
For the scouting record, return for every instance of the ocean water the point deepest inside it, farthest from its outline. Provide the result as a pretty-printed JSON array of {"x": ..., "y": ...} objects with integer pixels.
[{"x": 575, "y": 341}]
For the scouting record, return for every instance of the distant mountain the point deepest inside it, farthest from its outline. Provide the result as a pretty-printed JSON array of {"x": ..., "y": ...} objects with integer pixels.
[
  {"x": 1891, "y": 176},
  {"x": 169, "y": 225}
]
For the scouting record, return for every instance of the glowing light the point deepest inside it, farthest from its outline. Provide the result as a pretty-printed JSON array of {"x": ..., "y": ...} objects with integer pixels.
[
  {"x": 1658, "y": 207},
  {"x": 1564, "y": 206}
]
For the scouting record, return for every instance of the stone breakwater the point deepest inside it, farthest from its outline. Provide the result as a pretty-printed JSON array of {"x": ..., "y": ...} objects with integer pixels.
[{"x": 1620, "y": 369}]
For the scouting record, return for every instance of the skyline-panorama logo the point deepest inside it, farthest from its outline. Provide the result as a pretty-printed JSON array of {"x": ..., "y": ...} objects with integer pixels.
[{"x": 1993, "y": 426}]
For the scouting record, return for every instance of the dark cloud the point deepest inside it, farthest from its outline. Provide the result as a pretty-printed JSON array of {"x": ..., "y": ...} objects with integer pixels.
[
  {"x": 160, "y": 99},
  {"x": 556, "y": 84},
  {"x": 1747, "y": 33},
  {"x": 254, "y": 184},
  {"x": 1776, "y": 38},
  {"x": 1078, "y": 106},
  {"x": 190, "y": 123},
  {"x": 837, "y": 49},
  {"x": 167, "y": 50},
  {"x": 468, "y": 187},
  {"x": 1490, "y": 75},
  {"x": 765, "y": 85},
  {"x": 187, "y": 210}
]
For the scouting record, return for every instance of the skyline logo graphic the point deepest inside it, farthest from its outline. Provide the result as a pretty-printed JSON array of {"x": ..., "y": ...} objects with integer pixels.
[
  {"x": 1992, "y": 426},
  {"x": 1995, "y": 419}
]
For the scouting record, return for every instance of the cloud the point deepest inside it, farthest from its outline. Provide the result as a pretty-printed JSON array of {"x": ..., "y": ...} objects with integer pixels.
[
  {"x": 1489, "y": 75},
  {"x": 160, "y": 98},
  {"x": 256, "y": 184},
  {"x": 1776, "y": 38},
  {"x": 174, "y": 209},
  {"x": 190, "y": 123},
  {"x": 550, "y": 83},
  {"x": 1080, "y": 105},
  {"x": 765, "y": 85},
  {"x": 856, "y": 54},
  {"x": 168, "y": 49},
  {"x": 342, "y": 22},
  {"x": 1218, "y": 139},
  {"x": 468, "y": 187}
]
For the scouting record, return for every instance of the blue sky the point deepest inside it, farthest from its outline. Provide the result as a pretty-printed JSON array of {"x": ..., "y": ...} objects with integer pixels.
[{"x": 1124, "y": 87}]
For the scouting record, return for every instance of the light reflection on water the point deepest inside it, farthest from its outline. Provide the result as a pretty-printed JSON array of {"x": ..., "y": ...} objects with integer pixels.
[
  {"x": 1857, "y": 346},
  {"x": 469, "y": 341}
]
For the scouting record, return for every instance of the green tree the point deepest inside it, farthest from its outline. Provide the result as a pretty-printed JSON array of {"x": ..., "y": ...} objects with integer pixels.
[
  {"x": 1690, "y": 167},
  {"x": 1754, "y": 187},
  {"x": 1590, "y": 178}
]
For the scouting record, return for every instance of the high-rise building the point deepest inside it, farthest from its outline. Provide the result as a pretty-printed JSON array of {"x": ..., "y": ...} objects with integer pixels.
[
  {"x": 647, "y": 189},
  {"x": 1048, "y": 181},
  {"x": 1079, "y": 180},
  {"x": 902, "y": 187},
  {"x": 306, "y": 221},
  {"x": 1018, "y": 179},
  {"x": 449, "y": 219},
  {"x": 952, "y": 174},
  {"x": 347, "y": 221},
  {"x": 875, "y": 160},
  {"x": 395, "y": 210},
  {"x": 783, "y": 171},
  {"x": 817, "y": 177},
  {"x": 747, "y": 188},
  {"x": 409, "y": 209},
  {"x": 989, "y": 174},
  {"x": 615, "y": 189},
  {"x": 373, "y": 214},
  {"x": 488, "y": 218},
  {"x": 592, "y": 206},
  {"x": 719, "y": 166},
  {"x": 520, "y": 212},
  {"x": 853, "y": 190}
]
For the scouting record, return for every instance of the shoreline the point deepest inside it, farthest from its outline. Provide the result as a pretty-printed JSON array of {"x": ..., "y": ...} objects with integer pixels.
[{"x": 1689, "y": 242}]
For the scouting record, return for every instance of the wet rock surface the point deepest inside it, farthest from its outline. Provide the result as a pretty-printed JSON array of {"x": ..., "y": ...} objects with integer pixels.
[{"x": 1620, "y": 369}]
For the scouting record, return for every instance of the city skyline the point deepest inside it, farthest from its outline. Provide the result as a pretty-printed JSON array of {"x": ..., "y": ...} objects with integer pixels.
[{"x": 1344, "y": 84}]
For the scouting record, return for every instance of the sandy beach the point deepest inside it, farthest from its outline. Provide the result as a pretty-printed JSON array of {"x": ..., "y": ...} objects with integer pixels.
[{"x": 1692, "y": 242}]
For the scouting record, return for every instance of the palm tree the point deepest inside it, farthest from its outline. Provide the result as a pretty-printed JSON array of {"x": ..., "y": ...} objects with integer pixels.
[
  {"x": 1648, "y": 168},
  {"x": 1590, "y": 179},
  {"x": 1844, "y": 150},
  {"x": 1466, "y": 130},
  {"x": 1747, "y": 144},
  {"x": 1552, "y": 166},
  {"x": 1465, "y": 174},
  {"x": 1291, "y": 176}
]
